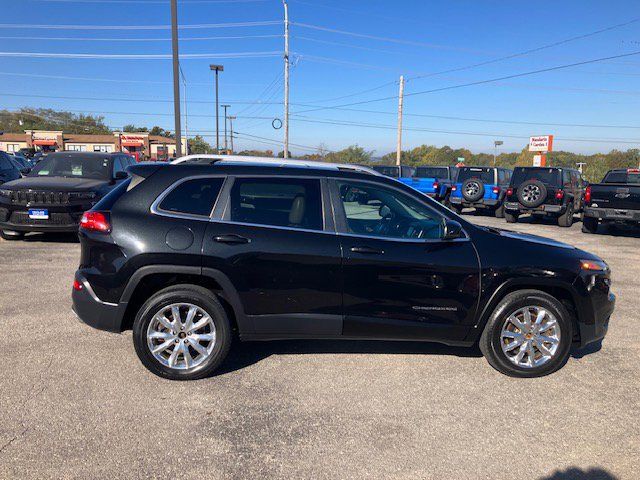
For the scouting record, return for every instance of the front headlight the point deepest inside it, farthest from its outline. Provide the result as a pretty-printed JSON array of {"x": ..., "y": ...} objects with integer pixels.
[
  {"x": 594, "y": 265},
  {"x": 82, "y": 195}
]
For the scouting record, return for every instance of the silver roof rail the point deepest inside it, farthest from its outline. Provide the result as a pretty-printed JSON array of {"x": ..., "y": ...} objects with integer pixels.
[{"x": 269, "y": 161}]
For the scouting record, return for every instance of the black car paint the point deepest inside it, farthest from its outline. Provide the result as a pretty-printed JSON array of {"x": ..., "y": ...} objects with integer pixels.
[
  {"x": 8, "y": 169},
  {"x": 68, "y": 208},
  {"x": 292, "y": 283},
  {"x": 614, "y": 201}
]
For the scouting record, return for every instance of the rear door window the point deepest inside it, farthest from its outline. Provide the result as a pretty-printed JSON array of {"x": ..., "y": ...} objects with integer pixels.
[
  {"x": 280, "y": 202},
  {"x": 193, "y": 197},
  {"x": 5, "y": 163}
]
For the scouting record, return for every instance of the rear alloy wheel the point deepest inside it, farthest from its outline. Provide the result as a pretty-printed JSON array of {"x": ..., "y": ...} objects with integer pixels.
[
  {"x": 510, "y": 217},
  {"x": 532, "y": 194},
  {"x": 182, "y": 333},
  {"x": 566, "y": 219},
  {"x": 528, "y": 335},
  {"x": 589, "y": 225},
  {"x": 472, "y": 189},
  {"x": 11, "y": 235}
]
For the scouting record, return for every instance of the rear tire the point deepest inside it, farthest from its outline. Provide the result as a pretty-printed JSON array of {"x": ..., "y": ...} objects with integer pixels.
[
  {"x": 499, "y": 212},
  {"x": 566, "y": 219},
  {"x": 589, "y": 225},
  {"x": 183, "y": 335},
  {"x": 526, "y": 359},
  {"x": 511, "y": 217},
  {"x": 10, "y": 235}
]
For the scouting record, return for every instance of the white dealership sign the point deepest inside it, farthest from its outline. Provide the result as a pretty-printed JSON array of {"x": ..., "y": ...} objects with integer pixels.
[{"x": 541, "y": 143}]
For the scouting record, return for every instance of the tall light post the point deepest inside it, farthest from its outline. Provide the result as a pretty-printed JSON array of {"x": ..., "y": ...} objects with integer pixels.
[
  {"x": 496, "y": 144},
  {"x": 286, "y": 78},
  {"x": 217, "y": 68},
  {"x": 231, "y": 119},
  {"x": 176, "y": 77},
  {"x": 226, "y": 149}
]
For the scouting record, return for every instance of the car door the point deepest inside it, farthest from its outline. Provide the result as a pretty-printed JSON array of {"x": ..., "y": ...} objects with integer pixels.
[
  {"x": 401, "y": 279},
  {"x": 276, "y": 243}
]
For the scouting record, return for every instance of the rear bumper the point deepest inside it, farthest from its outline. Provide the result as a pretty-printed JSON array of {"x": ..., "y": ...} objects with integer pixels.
[
  {"x": 614, "y": 214},
  {"x": 482, "y": 203},
  {"x": 93, "y": 311},
  {"x": 38, "y": 228},
  {"x": 516, "y": 207}
]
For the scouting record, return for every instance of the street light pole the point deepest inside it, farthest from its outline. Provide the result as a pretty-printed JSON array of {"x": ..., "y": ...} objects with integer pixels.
[
  {"x": 286, "y": 78},
  {"x": 217, "y": 68},
  {"x": 176, "y": 77},
  {"x": 226, "y": 149},
  {"x": 496, "y": 143}
]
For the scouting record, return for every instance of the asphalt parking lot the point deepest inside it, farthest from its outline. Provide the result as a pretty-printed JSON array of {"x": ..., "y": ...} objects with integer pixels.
[{"x": 77, "y": 403}]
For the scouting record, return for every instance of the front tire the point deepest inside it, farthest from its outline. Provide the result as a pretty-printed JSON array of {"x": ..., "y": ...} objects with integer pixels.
[
  {"x": 589, "y": 225},
  {"x": 182, "y": 333},
  {"x": 566, "y": 219},
  {"x": 529, "y": 334},
  {"x": 10, "y": 235},
  {"x": 510, "y": 217}
]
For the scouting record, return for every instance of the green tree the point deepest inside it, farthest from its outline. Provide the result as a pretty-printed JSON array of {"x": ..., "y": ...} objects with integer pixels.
[
  {"x": 198, "y": 144},
  {"x": 352, "y": 154},
  {"x": 49, "y": 119}
]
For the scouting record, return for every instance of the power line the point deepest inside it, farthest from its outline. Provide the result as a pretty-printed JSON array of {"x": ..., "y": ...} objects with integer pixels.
[
  {"x": 53, "y": 26},
  {"x": 118, "y": 56},
  {"x": 482, "y": 82},
  {"x": 133, "y": 39},
  {"x": 146, "y": 2}
]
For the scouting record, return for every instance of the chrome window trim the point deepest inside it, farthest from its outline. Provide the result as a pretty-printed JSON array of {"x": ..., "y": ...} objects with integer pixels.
[
  {"x": 276, "y": 227},
  {"x": 325, "y": 224},
  {"x": 155, "y": 206},
  {"x": 337, "y": 180}
]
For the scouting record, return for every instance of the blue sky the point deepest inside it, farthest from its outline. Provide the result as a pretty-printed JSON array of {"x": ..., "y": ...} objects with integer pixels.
[{"x": 416, "y": 38}]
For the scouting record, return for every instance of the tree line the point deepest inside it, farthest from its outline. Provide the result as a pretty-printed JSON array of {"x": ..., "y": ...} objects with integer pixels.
[{"x": 594, "y": 168}]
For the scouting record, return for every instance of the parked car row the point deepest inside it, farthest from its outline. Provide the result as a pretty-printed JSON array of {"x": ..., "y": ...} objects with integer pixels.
[{"x": 552, "y": 192}]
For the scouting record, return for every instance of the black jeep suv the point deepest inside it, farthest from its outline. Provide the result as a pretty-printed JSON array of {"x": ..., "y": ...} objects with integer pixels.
[
  {"x": 192, "y": 253},
  {"x": 545, "y": 191},
  {"x": 56, "y": 192}
]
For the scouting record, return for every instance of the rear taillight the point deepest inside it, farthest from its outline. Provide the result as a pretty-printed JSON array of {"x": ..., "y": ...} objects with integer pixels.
[
  {"x": 77, "y": 285},
  {"x": 496, "y": 190},
  {"x": 95, "y": 222},
  {"x": 587, "y": 195},
  {"x": 436, "y": 186},
  {"x": 560, "y": 194},
  {"x": 454, "y": 188},
  {"x": 509, "y": 191}
]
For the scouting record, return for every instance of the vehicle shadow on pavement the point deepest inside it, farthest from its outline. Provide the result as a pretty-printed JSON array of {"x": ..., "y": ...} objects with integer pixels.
[
  {"x": 575, "y": 473},
  {"x": 587, "y": 350},
  {"x": 244, "y": 354},
  {"x": 51, "y": 237}
]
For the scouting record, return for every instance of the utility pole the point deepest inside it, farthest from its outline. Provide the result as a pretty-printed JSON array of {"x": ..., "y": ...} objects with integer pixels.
[
  {"x": 186, "y": 115},
  {"x": 217, "y": 68},
  {"x": 400, "y": 99},
  {"x": 176, "y": 76},
  {"x": 231, "y": 119},
  {"x": 286, "y": 78},
  {"x": 226, "y": 149}
]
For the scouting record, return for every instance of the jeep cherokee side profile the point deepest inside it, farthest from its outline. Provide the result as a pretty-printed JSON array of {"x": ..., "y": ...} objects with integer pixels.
[{"x": 191, "y": 254}]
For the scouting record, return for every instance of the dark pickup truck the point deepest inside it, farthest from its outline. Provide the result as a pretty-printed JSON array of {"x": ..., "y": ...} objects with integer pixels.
[{"x": 615, "y": 200}]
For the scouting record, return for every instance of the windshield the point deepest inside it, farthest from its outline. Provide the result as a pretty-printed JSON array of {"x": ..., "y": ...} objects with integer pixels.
[
  {"x": 484, "y": 174},
  {"x": 545, "y": 175},
  {"x": 76, "y": 166},
  {"x": 622, "y": 177},
  {"x": 432, "y": 172},
  {"x": 388, "y": 171}
]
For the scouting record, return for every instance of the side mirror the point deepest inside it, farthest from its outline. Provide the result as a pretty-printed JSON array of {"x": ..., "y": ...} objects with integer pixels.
[
  {"x": 452, "y": 230},
  {"x": 121, "y": 175},
  {"x": 25, "y": 171}
]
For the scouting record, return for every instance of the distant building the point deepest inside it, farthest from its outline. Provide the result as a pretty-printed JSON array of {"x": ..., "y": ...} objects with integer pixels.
[{"x": 139, "y": 144}]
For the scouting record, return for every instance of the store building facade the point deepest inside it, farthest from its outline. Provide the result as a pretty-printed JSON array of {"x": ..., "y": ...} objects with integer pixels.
[{"x": 139, "y": 144}]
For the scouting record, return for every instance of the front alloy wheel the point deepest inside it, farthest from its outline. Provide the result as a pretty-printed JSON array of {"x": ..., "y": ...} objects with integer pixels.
[{"x": 528, "y": 334}]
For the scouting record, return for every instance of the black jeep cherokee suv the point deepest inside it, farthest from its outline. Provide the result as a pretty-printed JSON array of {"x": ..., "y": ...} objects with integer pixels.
[
  {"x": 545, "y": 191},
  {"x": 190, "y": 254},
  {"x": 56, "y": 192}
]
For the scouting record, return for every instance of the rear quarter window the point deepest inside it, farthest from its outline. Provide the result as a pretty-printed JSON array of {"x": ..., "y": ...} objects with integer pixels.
[{"x": 193, "y": 197}]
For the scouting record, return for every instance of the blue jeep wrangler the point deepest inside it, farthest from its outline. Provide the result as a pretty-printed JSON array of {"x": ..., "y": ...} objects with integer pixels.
[
  {"x": 482, "y": 188},
  {"x": 394, "y": 171},
  {"x": 435, "y": 182}
]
